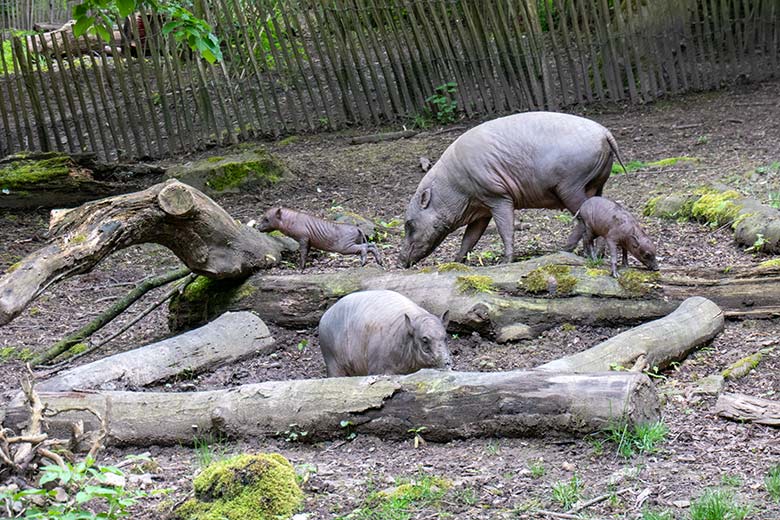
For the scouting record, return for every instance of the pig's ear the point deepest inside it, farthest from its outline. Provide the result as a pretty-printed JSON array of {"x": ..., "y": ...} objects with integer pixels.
[
  {"x": 425, "y": 198},
  {"x": 408, "y": 324},
  {"x": 279, "y": 213},
  {"x": 445, "y": 318}
]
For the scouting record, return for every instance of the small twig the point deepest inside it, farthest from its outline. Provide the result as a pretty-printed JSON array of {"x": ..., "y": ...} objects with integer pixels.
[
  {"x": 598, "y": 499},
  {"x": 686, "y": 127},
  {"x": 43, "y": 452},
  {"x": 553, "y": 514}
]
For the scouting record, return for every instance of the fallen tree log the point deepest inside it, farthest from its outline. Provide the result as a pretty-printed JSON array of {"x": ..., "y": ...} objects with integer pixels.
[
  {"x": 53, "y": 179},
  {"x": 652, "y": 345},
  {"x": 755, "y": 225},
  {"x": 530, "y": 296},
  {"x": 744, "y": 408},
  {"x": 231, "y": 337},
  {"x": 449, "y": 404},
  {"x": 198, "y": 231}
]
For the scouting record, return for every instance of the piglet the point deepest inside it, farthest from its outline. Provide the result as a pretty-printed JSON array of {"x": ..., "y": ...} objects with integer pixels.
[
  {"x": 321, "y": 234},
  {"x": 381, "y": 332},
  {"x": 605, "y": 218}
]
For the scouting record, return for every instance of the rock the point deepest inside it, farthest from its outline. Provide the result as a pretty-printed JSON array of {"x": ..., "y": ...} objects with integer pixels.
[
  {"x": 232, "y": 173},
  {"x": 709, "y": 385},
  {"x": 112, "y": 479},
  {"x": 514, "y": 332}
]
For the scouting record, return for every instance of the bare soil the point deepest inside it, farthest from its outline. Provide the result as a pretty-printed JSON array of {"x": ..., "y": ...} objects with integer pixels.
[{"x": 733, "y": 136}]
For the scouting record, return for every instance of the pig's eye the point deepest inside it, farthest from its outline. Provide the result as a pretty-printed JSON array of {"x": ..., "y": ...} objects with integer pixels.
[
  {"x": 426, "y": 341},
  {"x": 408, "y": 227}
]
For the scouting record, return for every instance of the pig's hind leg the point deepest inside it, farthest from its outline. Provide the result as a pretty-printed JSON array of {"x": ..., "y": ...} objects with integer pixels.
[
  {"x": 503, "y": 211},
  {"x": 374, "y": 250}
]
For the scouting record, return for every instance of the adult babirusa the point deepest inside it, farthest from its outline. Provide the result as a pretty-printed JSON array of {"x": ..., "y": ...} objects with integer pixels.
[{"x": 529, "y": 160}]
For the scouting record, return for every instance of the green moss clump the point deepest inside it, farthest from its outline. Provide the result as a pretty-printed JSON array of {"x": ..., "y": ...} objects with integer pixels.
[
  {"x": 13, "y": 267},
  {"x": 716, "y": 208},
  {"x": 204, "y": 298},
  {"x": 538, "y": 280},
  {"x": 595, "y": 271},
  {"x": 23, "y": 173},
  {"x": 448, "y": 267},
  {"x": 215, "y": 159},
  {"x": 649, "y": 210},
  {"x": 775, "y": 262},
  {"x": 245, "y": 487},
  {"x": 742, "y": 367},
  {"x": 277, "y": 233},
  {"x": 79, "y": 239},
  {"x": 289, "y": 140},
  {"x": 233, "y": 174},
  {"x": 637, "y": 282},
  {"x": 475, "y": 284},
  {"x": 671, "y": 161},
  {"x": 9, "y": 353},
  {"x": 78, "y": 348}
]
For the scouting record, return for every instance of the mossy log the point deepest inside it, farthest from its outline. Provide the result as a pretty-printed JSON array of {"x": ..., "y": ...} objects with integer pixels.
[
  {"x": 179, "y": 217},
  {"x": 52, "y": 179},
  {"x": 744, "y": 408},
  {"x": 652, "y": 345},
  {"x": 531, "y": 295},
  {"x": 231, "y": 337},
  {"x": 504, "y": 404},
  {"x": 755, "y": 225}
]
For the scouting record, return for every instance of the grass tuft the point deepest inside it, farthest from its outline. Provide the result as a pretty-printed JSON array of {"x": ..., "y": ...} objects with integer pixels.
[
  {"x": 643, "y": 438},
  {"x": 772, "y": 483},
  {"x": 567, "y": 493},
  {"x": 718, "y": 504}
]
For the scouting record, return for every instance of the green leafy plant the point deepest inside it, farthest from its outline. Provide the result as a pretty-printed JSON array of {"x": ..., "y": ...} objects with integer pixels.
[
  {"x": 772, "y": 483},
  {"x": 301, "y": 346},
  {"x": 294, "y": 433},
  {"x": 347, "y": 426},
  {"x": 642, "y": 438},
  {"x": 774, "y": 199},
  {"x": 758, "y": 245},
  {"x": 717, "y": 504},
  {"x": 567, "y": 493},
  {"x": 731, "y": 480},
  {"x": 566, "y": 218},
  {"x": 98, "y": 16},
  {"x": 444, "y": 106},
  {"x": 86, "y": 491},
  {"x": 417, "y": 437}
]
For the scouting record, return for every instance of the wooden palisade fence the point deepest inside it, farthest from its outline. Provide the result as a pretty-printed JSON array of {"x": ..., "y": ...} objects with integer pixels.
[{"x": 303, "y": 65}]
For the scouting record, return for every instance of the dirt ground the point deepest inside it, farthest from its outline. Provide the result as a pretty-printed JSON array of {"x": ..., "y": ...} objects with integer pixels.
[{"x": 732, "y": 134}]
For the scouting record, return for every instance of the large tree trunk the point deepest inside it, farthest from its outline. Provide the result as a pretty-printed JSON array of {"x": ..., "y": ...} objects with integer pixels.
[
  {"x": 652, "y": 345},
  {"x": 519, "y": 295},
  {"x": 172, "y": 214},
  {"x": 231, "y": 337},
  {"x": 449, "y": 405}
]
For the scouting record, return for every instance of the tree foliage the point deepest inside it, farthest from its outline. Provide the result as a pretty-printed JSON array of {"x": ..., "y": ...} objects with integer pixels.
[{"x": 98, "y": 16}]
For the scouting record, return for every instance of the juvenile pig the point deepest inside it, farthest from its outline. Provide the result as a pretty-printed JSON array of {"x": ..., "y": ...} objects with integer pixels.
[
  {"x": 321, "y": 234},
  {"x": 605, "y": 218},
  {"x": 381, "y": 332}
]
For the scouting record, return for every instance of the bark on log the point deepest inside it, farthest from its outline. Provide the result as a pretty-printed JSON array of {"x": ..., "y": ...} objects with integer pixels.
[
  {"x": 231, "y": 337},
  {"x": 639, "y": 295},
  {"x": 654, "y": 344},
  {"x": 179, "y": 217},
  {"x": 508, "y": 404},
  {"x": 744, "y": 408}
]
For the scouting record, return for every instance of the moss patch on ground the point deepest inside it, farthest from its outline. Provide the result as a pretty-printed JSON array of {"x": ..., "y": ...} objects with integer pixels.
[
  {"x": 10, "y": 353},
  {"x": 24, "y": 173},
  {"x": 742, "y": 367},
  {"x": 404, "y": 500},
  {"x": 637, "y": 282},
  {"x": 775, "y": 262},
  {"x": 543, "y": 279},
  {"x": 208, "y": 298},
  {"x": 716, "y": 208},
  {"x": 246, "y": 487},
  {"x": 475, "y": 284}
]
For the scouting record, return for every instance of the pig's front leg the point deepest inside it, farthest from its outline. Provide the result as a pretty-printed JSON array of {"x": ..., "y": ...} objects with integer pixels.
[
  {"x": 625, "y": 257},
  {"x": 303, "y": 245},
  {"x": 613, "y": 256},
  {"x": 473, "y": 233}
]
